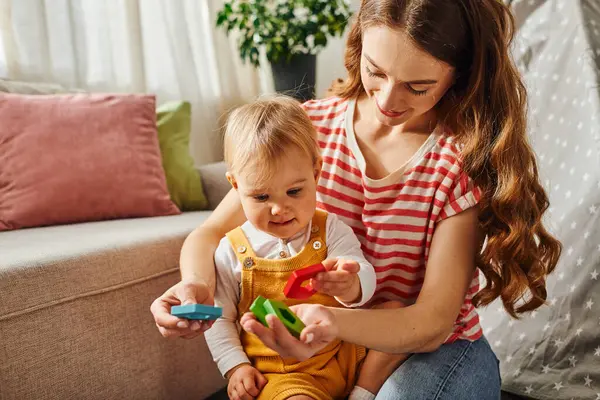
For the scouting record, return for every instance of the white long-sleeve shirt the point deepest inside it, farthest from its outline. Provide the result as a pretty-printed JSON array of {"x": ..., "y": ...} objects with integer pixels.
[{"x": 224, "y": 337}]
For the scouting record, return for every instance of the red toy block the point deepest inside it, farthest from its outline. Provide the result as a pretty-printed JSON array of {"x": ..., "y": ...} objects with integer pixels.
[{"x": 295, "y": 290}]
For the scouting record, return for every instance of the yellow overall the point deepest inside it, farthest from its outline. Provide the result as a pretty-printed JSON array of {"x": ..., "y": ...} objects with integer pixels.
[{"x": 329, "y": 374}]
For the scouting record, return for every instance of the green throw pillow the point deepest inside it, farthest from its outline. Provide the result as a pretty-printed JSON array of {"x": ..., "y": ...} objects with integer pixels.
[{"x": 173, "y": 121}]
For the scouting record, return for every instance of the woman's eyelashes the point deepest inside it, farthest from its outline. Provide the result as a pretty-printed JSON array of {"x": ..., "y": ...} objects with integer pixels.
[
  {"x": 373, "y": 74},
  {"x": 415, "y": 91},
  {"x": 407, "y": 85}
]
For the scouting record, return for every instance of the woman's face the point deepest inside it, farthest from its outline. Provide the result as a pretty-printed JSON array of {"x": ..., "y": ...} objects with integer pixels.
[{"x": 401, "y": 80}]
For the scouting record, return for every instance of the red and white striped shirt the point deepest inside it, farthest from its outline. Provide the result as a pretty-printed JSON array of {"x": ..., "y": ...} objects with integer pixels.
[{"x": 394, "y": 217}]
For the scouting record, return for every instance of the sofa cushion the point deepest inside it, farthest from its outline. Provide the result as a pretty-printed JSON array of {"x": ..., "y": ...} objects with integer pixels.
[
  {"x": 174, "y": 127},
  {"x": 82, "y": 157},
  {"x": 174, "y": 121},
  {"x": 214, "y": 182}
]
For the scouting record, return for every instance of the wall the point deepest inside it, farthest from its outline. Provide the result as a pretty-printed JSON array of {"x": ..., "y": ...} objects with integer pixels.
[
  {"x": 330, "y": 65},
  {"x": 330, "y": 62}
]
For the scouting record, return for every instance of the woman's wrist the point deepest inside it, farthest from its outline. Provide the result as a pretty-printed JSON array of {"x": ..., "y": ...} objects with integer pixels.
[
  {"x": 334, "y": 320},
  {"x": 195, "y": 280},
  {"x": 196, "y": 260}
]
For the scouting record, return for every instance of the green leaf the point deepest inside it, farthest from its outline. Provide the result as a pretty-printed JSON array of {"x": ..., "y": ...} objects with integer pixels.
[
  {"x": 320, "y": 39},
  {"x": 272, "y": 26},
  {"x": 221, "y": 17}
]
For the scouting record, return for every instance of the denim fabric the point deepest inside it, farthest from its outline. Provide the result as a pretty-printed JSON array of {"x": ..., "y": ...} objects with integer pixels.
[{"x": 461, "y": 370}]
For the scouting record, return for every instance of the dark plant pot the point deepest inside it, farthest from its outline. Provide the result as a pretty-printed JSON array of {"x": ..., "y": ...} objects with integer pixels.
[{"x": 296, "y": 78}]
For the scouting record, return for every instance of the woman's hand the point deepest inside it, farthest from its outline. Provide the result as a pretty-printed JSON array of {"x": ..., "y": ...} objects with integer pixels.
[
  {"x": 180, "y": 294},
  {"x": 341, "y": 280},
  {"x": 245, "y": 382},
  {"x": 320, "y": 330}
]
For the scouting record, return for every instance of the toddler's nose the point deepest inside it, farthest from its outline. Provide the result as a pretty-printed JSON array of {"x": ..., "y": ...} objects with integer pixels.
[{"x": 276, "y": 209}]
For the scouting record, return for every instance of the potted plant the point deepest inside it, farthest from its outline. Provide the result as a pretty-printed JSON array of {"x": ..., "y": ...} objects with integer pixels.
[{"x": 290, "y": 32}]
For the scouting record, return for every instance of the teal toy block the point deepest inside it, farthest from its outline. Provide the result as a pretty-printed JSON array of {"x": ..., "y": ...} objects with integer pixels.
[
  {"x": 262, "y": 307},
  {"x": 197, "y": 311}
]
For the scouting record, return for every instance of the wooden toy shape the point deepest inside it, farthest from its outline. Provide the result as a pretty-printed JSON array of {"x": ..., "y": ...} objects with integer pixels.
[
  {"x": 262, "y": 307},
  {"x": 197, "y": 311},
  {"x": 285, "y": 315},
  {"x": 294, "y": 289},
  {"x": 257, "y": 308}
]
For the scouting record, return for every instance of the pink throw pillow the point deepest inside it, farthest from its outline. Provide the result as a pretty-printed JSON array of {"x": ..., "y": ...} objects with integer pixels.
[{"x": 80, "y": 157}]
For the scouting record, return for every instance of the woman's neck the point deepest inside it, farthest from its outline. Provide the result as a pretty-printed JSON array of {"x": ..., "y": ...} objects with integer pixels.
[
  {"x": 364, "y": 115},
  {"x": 386, "y": 149}
]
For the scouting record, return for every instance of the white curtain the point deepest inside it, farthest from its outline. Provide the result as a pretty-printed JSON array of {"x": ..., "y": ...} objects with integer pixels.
[{"x": 167, "y": 47}]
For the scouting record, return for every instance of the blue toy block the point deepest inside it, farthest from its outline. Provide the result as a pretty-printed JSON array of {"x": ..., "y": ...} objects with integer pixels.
[{"x": 197, "y": 311}]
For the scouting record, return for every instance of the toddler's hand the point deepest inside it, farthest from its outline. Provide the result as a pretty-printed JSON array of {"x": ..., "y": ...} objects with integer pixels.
[
  {"x": 245, "y": 382},
  {"x": 341, "y": 280}
]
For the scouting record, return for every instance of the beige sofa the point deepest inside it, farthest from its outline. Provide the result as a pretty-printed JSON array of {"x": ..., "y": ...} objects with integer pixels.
[{"x": 74, "y": 310}]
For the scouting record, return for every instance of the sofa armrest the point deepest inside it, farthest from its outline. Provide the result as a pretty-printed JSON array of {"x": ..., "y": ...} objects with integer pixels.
[
  {"x": 74, "y": 313},
  {"x": 214, "y": 182}
]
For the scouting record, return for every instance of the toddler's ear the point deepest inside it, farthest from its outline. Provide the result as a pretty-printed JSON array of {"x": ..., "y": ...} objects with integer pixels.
[
  {"x": 317, "y": 169},
  {"x": 231, "y": 180}
]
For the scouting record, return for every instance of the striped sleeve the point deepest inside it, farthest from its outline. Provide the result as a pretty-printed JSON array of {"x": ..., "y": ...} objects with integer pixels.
[{"x": 463, "y": 195}]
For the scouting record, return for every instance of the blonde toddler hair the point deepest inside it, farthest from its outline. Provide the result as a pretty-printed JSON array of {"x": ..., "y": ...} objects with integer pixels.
[{"x": 259, "y": 133}]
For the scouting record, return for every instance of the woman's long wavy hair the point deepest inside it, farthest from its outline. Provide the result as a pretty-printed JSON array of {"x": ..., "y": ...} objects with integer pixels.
[{"x": 485, "y": 110}]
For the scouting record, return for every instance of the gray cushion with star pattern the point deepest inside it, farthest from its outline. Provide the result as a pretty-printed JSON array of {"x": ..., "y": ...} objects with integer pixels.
[{"x": 554, "y": 353}]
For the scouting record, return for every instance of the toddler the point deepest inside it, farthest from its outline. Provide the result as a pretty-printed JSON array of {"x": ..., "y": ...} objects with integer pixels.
[{"x": 274, "y": 164}]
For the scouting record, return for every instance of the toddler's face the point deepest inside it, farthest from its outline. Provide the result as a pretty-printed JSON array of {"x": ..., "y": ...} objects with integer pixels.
[{"x": 285, "y": 203}]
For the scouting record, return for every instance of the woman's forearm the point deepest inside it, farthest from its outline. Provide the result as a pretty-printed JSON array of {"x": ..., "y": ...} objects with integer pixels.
[
  {"x": 412, "y": 329},
  {"x": 196, "y": 259},
  {"x": 197, "y": 254}
]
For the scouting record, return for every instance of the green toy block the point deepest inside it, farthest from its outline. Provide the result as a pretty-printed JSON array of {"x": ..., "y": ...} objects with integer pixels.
[
  {"x": 262, "y": 307},
  {"x": 257, "y": 308},
  {"x": 285, "y": 315}
]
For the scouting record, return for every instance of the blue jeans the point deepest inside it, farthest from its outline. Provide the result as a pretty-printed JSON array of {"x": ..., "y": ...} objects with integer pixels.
[{"x": 461, "y": 370}]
